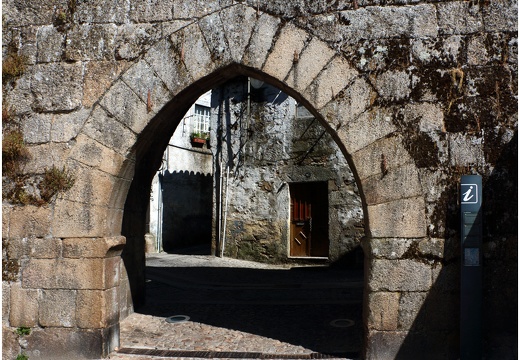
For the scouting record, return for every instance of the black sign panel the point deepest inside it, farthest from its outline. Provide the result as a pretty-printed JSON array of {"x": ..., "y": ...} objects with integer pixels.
[{"x": 471, "y": 267}]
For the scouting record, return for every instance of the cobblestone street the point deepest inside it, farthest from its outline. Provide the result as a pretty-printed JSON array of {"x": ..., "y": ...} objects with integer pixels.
[{"x": 241, "y": 309}]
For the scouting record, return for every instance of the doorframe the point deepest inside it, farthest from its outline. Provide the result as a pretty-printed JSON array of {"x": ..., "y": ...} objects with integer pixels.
[{"x": 289, "y": 214}]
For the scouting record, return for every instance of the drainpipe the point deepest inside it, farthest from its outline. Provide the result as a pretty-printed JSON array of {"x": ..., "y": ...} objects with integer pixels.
[
  {"x": 225, "y": 212},
  {"x": 220, "y": 210}
]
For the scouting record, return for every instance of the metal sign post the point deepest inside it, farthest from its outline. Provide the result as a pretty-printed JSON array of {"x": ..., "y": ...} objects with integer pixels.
[{"x": 471, "y": 267}]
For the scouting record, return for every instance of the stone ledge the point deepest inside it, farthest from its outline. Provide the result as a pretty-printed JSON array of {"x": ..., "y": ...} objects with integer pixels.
[{"x": 78, "y": 248}]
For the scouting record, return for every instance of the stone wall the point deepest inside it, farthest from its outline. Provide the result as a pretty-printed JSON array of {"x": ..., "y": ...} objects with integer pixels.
[
  {"x": 267, "y": 147},
  {"x": 415, "y": 94}
]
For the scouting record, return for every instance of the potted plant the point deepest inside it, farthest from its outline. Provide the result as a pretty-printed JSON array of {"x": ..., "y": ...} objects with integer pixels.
[{"x": 197, "y": 139}]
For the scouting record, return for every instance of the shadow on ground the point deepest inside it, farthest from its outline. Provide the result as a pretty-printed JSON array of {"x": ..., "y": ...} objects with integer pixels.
[{"x": 304, "y": 306}]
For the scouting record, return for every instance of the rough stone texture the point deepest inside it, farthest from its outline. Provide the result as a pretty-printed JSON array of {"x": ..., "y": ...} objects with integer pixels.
[
  {"x": 397, "y": 183},
  {"x": 106, "y": 301},
  {"x": 391, "y": 249},
  {"x": 239, "y": 24},
  {"x": 335, "y": 77},
  {"x": 57, "y": 308},
  {"x": 399, "y": 218},
  {"x": 285, "y": 51},
  {"x": 308, "y": 64},
  {"x": 383, "y": 311},
  {"x": 64, "y": 274},
  {"x": 57, "y": 86},
  {"x": 427, "y": 84},
  {"x": 261, "y": 40},
  {"x": 112, "y": 134},
  {"x": 29, "y": 221},
  {"x": 399, "y": 275},
  {"x": 99, "y": 75},
  {"x": 91, "y": 247},
  {"x": 24, "y": 306}
]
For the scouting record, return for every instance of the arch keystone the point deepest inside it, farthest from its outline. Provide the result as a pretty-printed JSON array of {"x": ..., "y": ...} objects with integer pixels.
[{"x": 240, "y": 21}]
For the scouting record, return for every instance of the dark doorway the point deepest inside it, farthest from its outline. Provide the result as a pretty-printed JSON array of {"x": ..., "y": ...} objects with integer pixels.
[
  {"x": 187, "y": 215},
  {"x": 309, "y": 220}
]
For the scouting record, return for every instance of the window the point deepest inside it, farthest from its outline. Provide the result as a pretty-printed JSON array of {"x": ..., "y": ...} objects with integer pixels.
[{"x": 201, "y": 119}]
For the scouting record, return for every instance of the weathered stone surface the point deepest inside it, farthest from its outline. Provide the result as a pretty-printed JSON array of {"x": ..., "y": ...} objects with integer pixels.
[
  {"x": 51, "y": 44},
  {"x": 239, "y": 24},
  {"x": 30, "y": 221},
  {"x": 391, "y": 249},
  {"x": 193, "y": 51},
  {"x": 398, "y": 218},
  {"x": 57, "y": 308},
  {"x": 261, "y": 40},
  {"x": 102, "y": 11},
  {"x": 348, "y": 105},
  {"x": 125, "y": 105},
  {"x": 431, "y": 247},
  {"x": 10, "y": 345},
  {"x": 369, "y": 160},
  {"x": 110, "y": 132},
  {"x": 287, "y": 48},
  {"x": 364, "y": 23},
  {"x": 384, "y": 344},
  {"x": 91, "y": 152},
  {"x": 57, "y": 86},
  {"x": 166, "y": 60},
  {"x": 81, "y": 344},
  {"x": 28, "y": 12},
  {"x": 64, "y": 274},
  {"x": 309, "y": 64},
  {"x": 90, "y": 247},
  {"x": 335, "y": 77},
  {"x": 86, "y": 220},
  {"x": 397, "y": 183},
  {"x": 134, "y": 39},
  {"x": 105, "y": 306},
  {"x": 393, "y": 85},
  {"x": 47, "y": 248},
  {"x": 501, "y": 16},
  {"x": 186, "y": 9},
  {"x": 215, "y": 36},
  {"x": 410, "y": 304},
  {"x": 6, "y": 301},
  {"x": 151, "y": 11},
  {"x": 99, "y": 75},
  {"x": 91, "y": 42},
  {"x": 90, "y": 186},
  {"x": 151, "y": 89},
  {"x": 36, "y": 128},
  {"x": 383, "y": 313},
  {"x": 45, "y": 156},
  {"x": 465, "y": 150},
  {"x": 445, "y": 51},
  {"x": 459, "y": 17},
  {"x": 399, "y": 275},
  {"x": 23, "y": 307},
  {"x": 372, "y": 125},
  {"x": 65, "y": 127}
]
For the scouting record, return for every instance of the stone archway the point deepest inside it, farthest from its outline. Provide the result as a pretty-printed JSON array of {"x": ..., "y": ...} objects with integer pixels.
[{"x": 120, "y": 144}]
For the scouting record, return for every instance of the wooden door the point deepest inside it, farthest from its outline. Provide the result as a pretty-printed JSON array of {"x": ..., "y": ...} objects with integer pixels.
[{"x": 309, "y": 219}]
